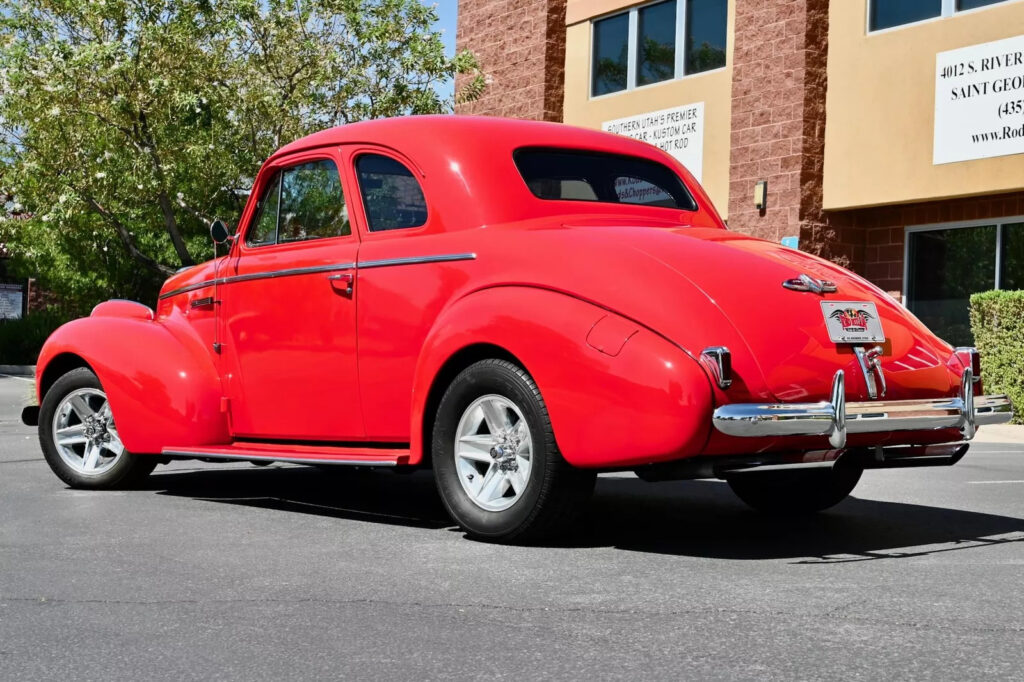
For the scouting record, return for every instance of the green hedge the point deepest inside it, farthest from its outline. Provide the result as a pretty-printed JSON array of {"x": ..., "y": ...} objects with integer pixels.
[
  {"x": 20, "y": 340},
  {"x": 997, "y": 320}
]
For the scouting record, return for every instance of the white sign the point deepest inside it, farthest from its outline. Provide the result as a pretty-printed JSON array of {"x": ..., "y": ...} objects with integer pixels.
[
  {"x": 979, "y": 101},
  {"x": 11, "y": 301},
  {"x": 679, "y": 131}
]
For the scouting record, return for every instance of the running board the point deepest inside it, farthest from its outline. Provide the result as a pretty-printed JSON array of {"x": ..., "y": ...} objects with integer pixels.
[{"x": 297, "y": 454}]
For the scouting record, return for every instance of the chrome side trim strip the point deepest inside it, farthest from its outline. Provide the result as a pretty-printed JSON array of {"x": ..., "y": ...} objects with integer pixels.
[
  {"x": 272, "y": 274},
  {"x": 416, "y": 260},
  {"x": 292, "y": 460},
  {"x": 383, "y": 263}
]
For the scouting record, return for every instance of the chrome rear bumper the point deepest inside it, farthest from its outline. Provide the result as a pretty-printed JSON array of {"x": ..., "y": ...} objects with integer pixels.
[{"x": 836, "y": 418}]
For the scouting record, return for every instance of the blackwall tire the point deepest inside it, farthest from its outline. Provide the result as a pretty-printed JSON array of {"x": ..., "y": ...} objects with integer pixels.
[
  {"x": 79, "y": 438},
  {"x": 796, "y": 492},
  {"x": 496, "y": 463}
]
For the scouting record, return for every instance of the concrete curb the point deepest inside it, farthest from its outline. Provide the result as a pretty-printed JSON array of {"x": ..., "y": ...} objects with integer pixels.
[
  {"x": 18, "y": 370},
  {"x": 1000, "y": 433}
]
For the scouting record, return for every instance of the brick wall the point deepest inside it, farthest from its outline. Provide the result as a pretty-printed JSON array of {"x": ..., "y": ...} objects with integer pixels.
[
  {"x": 883, "y": 229},
  {"x": 778, "y": 127},
  {"x": 520, "y": 45}
]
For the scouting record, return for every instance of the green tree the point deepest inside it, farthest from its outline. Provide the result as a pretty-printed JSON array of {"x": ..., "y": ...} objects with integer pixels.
[{"x": 128, "y": 124}]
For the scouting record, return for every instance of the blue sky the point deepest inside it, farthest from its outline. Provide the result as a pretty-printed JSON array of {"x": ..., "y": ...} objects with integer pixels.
[{"x": 446, "y": 13}]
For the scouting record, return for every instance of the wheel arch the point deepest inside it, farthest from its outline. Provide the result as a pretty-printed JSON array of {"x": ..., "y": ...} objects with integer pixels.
[
  {"x": 456, "y": 363},
  {"x": 162, "y": 384},
  {"x": 58, "y": 366},
  {"x": 645, "y": 400}
]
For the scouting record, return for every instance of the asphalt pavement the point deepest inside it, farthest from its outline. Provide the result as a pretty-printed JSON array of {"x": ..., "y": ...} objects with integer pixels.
[{"x": 218, "y": 572}]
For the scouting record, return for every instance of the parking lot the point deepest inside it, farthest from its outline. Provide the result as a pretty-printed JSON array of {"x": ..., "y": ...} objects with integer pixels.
[{"x": 238, "y": 572}]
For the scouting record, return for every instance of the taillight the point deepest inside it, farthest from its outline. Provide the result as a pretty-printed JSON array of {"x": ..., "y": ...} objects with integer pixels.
[{"x": 970, "y": 357}]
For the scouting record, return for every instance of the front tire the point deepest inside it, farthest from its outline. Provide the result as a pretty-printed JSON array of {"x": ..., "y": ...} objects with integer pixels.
[
  {"x": 796, "y": 492},
  {"x": 80, "y": 440},
  {"x": 496, "y": 463}
]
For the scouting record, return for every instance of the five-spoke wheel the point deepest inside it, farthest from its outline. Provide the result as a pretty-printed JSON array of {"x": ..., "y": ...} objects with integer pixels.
[
  {"x": 495, "y": 459},
  {"x": 85, "y": 434},
  {"x": 493, "y": 449},
  {"x": 80, "y": 439}
]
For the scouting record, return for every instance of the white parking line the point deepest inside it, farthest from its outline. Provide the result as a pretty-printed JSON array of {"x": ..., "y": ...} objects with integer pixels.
[
  {"x": 11, "y": 376},
  {"x": 991, "y": 482}
]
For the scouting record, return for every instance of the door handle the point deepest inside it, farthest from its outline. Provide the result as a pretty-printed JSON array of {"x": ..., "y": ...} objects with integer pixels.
[{"x": 346, "y": 278}]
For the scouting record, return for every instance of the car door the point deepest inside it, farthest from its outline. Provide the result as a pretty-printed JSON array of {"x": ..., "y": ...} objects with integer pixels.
[
  {"x": 288, "y": 344},
  {"x": 408, "y": 269}
]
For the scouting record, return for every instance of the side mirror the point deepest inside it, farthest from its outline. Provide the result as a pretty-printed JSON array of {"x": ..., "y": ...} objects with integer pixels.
[{"x": 219, "y": 232}]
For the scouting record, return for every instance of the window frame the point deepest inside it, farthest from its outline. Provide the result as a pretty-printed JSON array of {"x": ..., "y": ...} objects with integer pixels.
[
  {"x": 267, "y": 173},
  {"x": 948, "y": 10},
  {"x": 632, "y": 49},
  {"x": 354, "y": 151},
  {"x": 1000, "y": 224},
  {"x": 619, "y": 204},
  {"x": 358, "y": 154}
]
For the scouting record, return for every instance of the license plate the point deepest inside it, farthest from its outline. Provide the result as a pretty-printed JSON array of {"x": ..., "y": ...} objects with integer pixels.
[{"x": 852, "y": 322}]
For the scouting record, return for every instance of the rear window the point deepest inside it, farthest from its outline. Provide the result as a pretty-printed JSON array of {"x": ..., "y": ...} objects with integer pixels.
[{"x": 571, "y": 175}]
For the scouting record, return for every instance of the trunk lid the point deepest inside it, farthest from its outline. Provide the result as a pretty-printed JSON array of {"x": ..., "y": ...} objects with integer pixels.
[{"x": 785, "y": 330}]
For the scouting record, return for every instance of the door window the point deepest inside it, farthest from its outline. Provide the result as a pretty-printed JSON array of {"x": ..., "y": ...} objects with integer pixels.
[
  {"x": 391, "y": 195},
  {"x": 300, "y": 203}
]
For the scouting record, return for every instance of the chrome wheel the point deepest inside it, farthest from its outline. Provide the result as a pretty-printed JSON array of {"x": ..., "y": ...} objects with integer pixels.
[
  {"x": 84, "y": 432},
  {"x": 493, "y": 452}
]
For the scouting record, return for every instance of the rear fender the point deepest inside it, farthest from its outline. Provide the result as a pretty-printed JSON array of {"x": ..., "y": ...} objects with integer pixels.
[
  {"x": 639, "y": 400},
  {"x": 160, "y": 380}
]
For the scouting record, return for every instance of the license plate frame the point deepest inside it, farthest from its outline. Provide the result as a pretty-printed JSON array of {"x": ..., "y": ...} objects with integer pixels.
[{"x": 853, "y": 322}]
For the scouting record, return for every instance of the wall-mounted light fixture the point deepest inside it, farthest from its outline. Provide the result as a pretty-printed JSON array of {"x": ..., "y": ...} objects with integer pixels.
[{"x": 761, "y": 195}]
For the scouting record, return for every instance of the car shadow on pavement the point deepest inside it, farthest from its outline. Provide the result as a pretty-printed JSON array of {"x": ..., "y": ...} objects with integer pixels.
[{"x": 686, "y": 518}]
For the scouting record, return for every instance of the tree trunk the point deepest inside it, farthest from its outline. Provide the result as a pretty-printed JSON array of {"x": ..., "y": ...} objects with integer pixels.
[{"x": 171, "y": 225}]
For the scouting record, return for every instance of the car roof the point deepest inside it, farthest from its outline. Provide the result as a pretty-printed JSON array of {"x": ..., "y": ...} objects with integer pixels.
[
  {"x": 470, "y": 160},
  {"x": 457, "y": 131}
]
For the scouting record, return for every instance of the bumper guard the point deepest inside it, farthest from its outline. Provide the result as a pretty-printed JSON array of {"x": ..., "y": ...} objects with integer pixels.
[{"x": 836, "y": 418}]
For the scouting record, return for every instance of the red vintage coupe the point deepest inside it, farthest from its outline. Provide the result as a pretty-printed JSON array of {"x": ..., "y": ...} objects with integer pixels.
[{"x": 519, "y": 306}]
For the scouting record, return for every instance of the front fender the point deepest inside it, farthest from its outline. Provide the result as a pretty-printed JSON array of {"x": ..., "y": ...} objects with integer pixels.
[
  {"x": 160, "y": 380},
  {"x": 639, "y": 400}
]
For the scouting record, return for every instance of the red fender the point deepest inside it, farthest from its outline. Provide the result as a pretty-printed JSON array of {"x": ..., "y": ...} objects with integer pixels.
[
  {"x": 640, "y": 399},
  {"x": 160, "y": 380}
]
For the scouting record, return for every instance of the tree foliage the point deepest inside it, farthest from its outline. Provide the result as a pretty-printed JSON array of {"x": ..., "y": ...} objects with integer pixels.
[{"x": 128, "y": 124}]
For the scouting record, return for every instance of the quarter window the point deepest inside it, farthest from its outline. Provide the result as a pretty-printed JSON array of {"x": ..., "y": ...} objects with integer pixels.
[
  {"x": 883, "y": 14},
  {"x": 301, "y": 203},
  {"x": 657, "y": 42},
  {"x": 392, "y": 197}
]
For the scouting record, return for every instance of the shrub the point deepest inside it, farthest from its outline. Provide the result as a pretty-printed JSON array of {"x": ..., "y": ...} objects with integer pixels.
[
  {"x": 997, "y": 320},
  {"x": 21, "y": 340}
]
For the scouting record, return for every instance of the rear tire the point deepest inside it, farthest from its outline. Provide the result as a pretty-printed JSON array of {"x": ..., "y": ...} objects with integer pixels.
[
  {"x": 796, "y": 492},
  {"x": 80, "y": 440},
  {"x": 496, "y": 463}
]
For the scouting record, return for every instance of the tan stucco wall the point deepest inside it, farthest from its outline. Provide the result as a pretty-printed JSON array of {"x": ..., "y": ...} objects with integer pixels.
[
  {"x": 880, "y": 109},
  {"x": 714, "y": 88}
]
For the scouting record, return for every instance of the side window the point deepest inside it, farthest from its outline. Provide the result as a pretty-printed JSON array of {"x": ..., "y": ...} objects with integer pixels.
[
  {"x": 302, "y": 202},
  {"x": 264, "y": 227},
  {"x": 392, "y": 196}
]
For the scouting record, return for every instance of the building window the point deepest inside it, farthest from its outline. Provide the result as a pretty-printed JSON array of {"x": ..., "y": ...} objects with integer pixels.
[
  {"x": 945, "y": 265},
  {"x": 611, "y": 48},
  {"x": 705, "y": 35},
  {"x": 657, "y": 42},
  {"x": 883, "y": 14}
]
